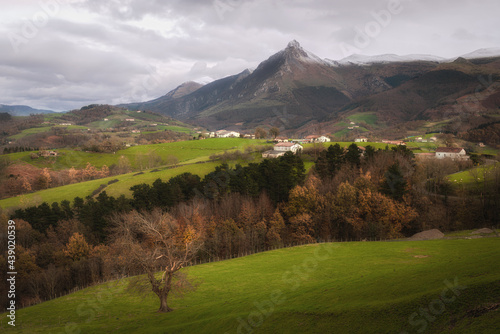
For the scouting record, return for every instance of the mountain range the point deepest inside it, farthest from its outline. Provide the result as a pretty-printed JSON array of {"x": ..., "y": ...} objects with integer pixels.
[
  {"x": 19, "y": 110},
  {"x": 296, "y": 90}
]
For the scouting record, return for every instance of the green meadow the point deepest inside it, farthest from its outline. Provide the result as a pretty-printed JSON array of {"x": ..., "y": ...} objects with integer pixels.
[
  {"x": 42, "y": 129},
  {"x": 435, "y": 286},
  {"x": 475, "y": 177},
  {"x": 184, "y": 151},
  {"x": 365, "y": 117},
  {"x": 193, "y": 157},
  {"x": 122, "y": 187}
]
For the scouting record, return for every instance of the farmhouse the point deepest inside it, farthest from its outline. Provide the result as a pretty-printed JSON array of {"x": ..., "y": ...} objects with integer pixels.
[
  {"x": 454, "y": 153},
  {"x": 316, "y": 139},
  {"x": 130, "y": 120},
  {"x": 281, "y": 148},
  {"x": 281, "y": 139},
  {"x": 227, "y": 134},
  {"x": 361, "y": 140}
]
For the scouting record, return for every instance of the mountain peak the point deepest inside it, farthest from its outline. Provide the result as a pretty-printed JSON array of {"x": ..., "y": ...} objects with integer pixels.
[
  {"x": 294, "y": 44},
  {"x": 295, "y": 51}
]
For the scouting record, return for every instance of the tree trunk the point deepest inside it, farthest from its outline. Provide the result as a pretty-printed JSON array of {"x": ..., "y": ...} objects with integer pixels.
[
  {"x": 164, "y": 293},
  {"x": 163, "y": 303}
]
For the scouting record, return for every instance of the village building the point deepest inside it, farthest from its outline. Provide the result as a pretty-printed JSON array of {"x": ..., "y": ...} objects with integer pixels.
[
  {"x": 281, "y": 139},
  {"x": 227, "y": 134},
  {"x": 454, "y": 153},
  {"x": 130, "y": 120},
  {"x": 281, "y": 148},
  {"x": 316, "y": 139},
  {"x": 361, "y": 140}
]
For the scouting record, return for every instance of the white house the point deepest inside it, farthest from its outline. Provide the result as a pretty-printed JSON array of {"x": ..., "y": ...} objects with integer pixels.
[
  {"x": 281, "y": 148},
  {"x": 454, "y": 153},
  {"x": 288, "y": 147},
  {"x": 227, "y": 134},
  {"x": 311, "y": 138},
  {"x": 361, "y": 140},
  {"x": 317, "y": 139},
  {"x": 130, "y": 120}
]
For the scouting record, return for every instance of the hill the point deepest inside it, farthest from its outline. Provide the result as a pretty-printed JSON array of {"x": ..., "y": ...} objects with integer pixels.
[
  {"x": 19, "y": 110},
  {"x": 186, "y": 153},
  {"x": 359, "y": 287},
  {"x": 103, "y": 125},
  {"x": 295, "y": 90}
]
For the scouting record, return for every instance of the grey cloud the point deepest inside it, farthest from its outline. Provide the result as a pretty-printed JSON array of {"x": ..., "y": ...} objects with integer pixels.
[{"x": 113, "y": 56}]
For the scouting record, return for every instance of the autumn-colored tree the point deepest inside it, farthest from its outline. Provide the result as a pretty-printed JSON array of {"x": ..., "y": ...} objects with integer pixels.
[
  {"x": 73, "y": 175},
  {"x": 90, "y": 172},
  {"x": 301, "y": 228},
  {"x": 371, "y": 214},
  {"x": 156, "y": 240},
  {"x": 260, "y": 133},
  {"x": 26, "y": 184},
  {"x": 77, "y": 247},
  {"x": 275, "y": 230},
  {"x": 44, "y": 180},
  {"x": 104, "y": 171}
]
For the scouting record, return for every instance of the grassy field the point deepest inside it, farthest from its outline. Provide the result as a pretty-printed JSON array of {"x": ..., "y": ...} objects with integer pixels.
[
  {"x": 359, "y": 287},
  {"x": 183, "y": 151},
  {"x": 474, "y": 177},
  {"x": 33, "y": 131},
  {"x": 187, "y": 152},
  {"x": 122, "y": 187},
  {"x": 365, "y": 117}
]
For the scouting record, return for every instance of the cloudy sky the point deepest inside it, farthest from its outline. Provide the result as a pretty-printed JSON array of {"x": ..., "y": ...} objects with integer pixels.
[{"x": 64, "y": 54}]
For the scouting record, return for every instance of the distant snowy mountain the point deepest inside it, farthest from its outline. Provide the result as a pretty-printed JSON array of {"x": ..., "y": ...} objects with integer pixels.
[
  {"x": 357, "y": 59},
  {"x": 483, "y": 53}
]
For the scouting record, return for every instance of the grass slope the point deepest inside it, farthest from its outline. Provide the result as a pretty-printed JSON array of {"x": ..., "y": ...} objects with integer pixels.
[
  {"x": 359, "y": 287},
  {"x": 184, "y": 151},
  {"x": 122, "y": 187}
]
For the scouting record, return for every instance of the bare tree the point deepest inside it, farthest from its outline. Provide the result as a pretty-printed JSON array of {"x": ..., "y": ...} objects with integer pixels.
[{"x": 153, "y": 241}]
